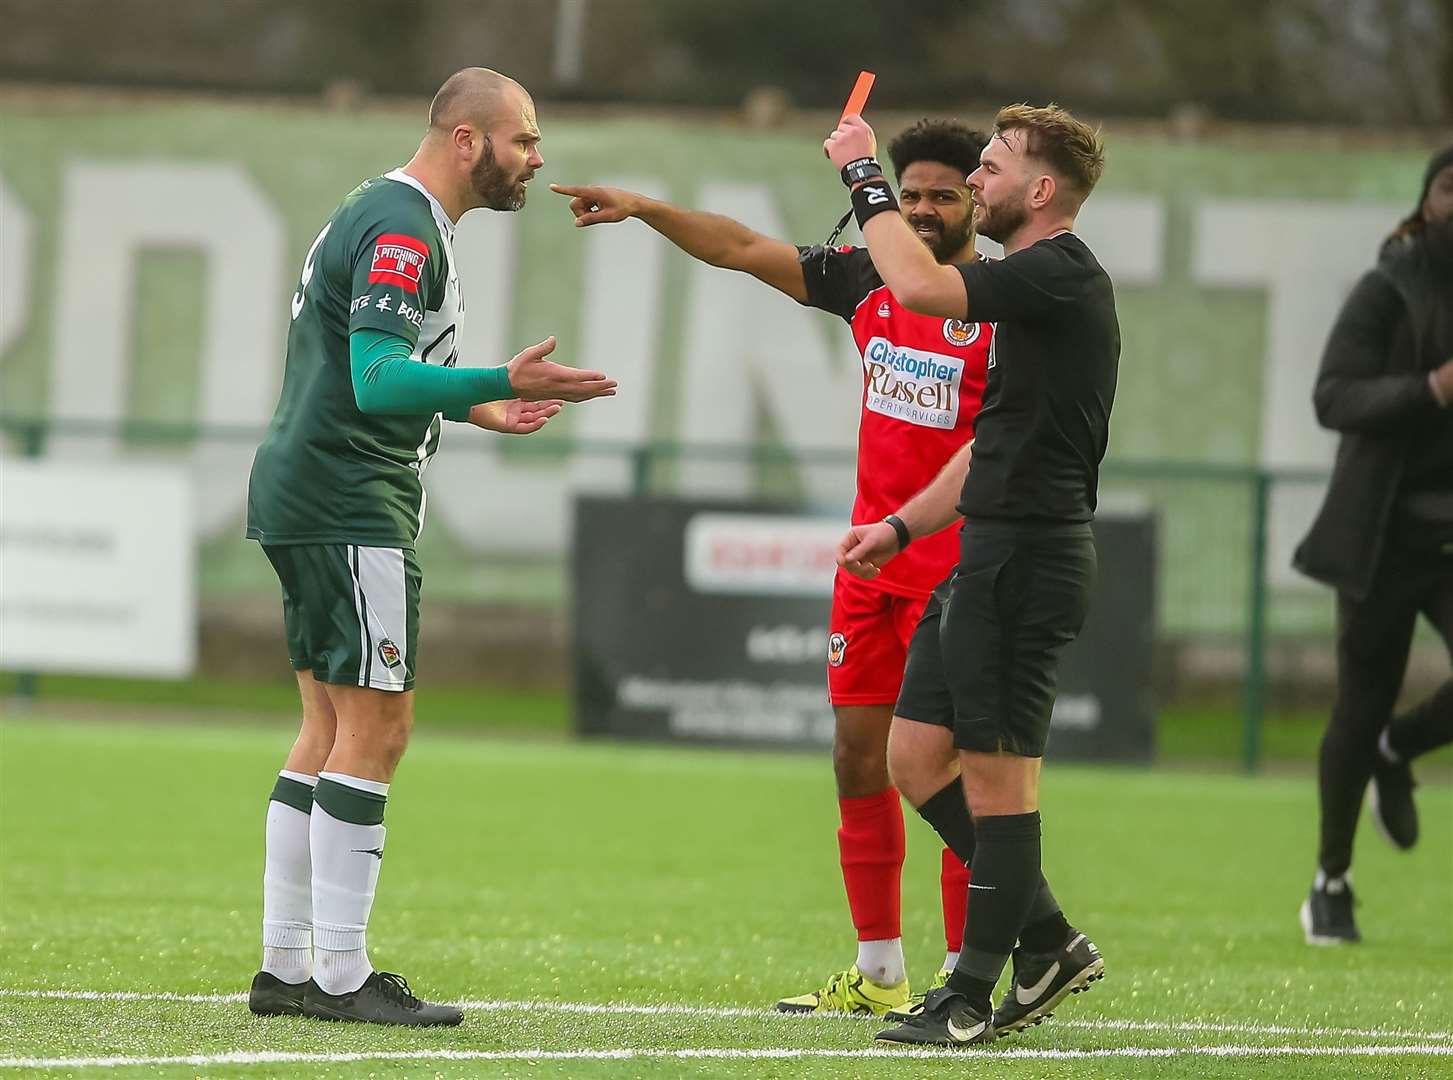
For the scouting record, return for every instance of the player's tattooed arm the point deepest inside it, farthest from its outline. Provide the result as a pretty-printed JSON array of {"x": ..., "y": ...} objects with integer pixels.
[{"x": 712, "y": 238}]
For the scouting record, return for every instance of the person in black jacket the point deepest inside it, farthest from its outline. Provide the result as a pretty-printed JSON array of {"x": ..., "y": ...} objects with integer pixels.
[{"x": 1384, "y": 536}]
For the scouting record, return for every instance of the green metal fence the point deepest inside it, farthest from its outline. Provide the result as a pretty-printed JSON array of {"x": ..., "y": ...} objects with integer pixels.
[{"x": 1214, "y": 525}]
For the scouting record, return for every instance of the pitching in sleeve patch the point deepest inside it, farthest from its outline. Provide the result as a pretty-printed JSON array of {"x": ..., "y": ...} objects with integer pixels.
[{"x": 398, "y": 260}]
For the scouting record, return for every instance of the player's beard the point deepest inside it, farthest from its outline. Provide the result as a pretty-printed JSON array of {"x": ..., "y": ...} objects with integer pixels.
[
  {"x": 494, "y": 187},
  {"x": 1000, "y": 222},
  {"x": 948, "y": 240}
]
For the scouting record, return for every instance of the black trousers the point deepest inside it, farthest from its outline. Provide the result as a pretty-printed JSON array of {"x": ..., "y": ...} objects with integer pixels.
[{"x": 1374, "y": 637}]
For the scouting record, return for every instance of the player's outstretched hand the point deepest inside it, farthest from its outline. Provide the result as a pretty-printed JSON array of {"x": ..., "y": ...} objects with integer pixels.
[
  {"x": 514, "y": 417},
  {"x": 853, "y": 139},
  {"x": 864, "y": 550},
  {"x": 598, "y": 205},
  {"x": 533, "y": 378}
]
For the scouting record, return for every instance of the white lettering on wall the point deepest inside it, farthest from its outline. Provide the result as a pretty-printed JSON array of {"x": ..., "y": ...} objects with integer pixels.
[
  {"x": 620, "y": 327},
  {"x": 1126, "y": 233},
  {"x": 17, "y": 234},
  {"x": 750, "y": 356},
  {"x": 110, "y": 214},
  {"x": 751, "y": 363},
  {"x": 476, "y": 488},
  {"x": 1306, "y": 255}
]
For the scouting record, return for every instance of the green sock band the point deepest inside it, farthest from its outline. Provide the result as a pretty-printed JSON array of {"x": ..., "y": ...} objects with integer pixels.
[
  {"x": 350, "y": 804},
  {"x": 293, "y": 793}
]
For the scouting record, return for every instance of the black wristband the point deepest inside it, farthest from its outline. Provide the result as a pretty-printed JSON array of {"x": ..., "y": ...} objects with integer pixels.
[
  {"x": 904, "y": 537},
  {"x": 873, "y": 198},
  {"x": 863, "y": 168}
]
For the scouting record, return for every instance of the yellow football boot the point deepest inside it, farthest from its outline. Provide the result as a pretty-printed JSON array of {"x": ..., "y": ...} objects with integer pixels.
[{"x": 849, "y": 992}]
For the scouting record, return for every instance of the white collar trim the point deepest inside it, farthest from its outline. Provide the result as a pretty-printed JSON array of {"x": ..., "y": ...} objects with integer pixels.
[{"x": 404, "y": 178}]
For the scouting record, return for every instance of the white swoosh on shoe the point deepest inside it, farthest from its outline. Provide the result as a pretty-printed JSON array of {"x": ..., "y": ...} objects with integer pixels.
[
  {"x": 1027, "y": 994},
  {"x": 959, "y": 1034}
]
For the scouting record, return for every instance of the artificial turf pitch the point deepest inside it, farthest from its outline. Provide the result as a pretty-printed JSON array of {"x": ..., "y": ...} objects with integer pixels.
[{"x": 625, "y": 910}]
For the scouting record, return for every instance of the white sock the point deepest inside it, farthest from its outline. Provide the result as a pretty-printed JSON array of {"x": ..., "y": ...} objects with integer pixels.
[
  {"x": 346, "y": 861},
  {"x": 1323, "y": 883},
  {"x": 287, "y": 899},
  {"x": 950, "y": 961},
  {"x": 882, "y": 961}
]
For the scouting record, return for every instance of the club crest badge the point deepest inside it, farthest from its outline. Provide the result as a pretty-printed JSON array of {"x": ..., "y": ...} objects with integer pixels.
[
  {"x": 388, "y": 652},
  {"x": 837, "y": 647},
  {"x": 960, "y": 333}
]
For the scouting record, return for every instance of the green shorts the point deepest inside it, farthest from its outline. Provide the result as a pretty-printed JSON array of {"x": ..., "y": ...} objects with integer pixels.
[{"x": 351, "y": 613}]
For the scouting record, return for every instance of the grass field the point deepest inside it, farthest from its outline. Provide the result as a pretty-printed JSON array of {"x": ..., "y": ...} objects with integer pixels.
[
  {"x": 1206, "y": 736},
  {"x": 629, "y": 911}
]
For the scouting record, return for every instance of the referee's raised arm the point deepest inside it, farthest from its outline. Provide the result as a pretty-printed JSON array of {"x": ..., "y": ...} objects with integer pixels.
[
  {"x": 978, "y": 691},
  {"x": 919, "y": 281}
]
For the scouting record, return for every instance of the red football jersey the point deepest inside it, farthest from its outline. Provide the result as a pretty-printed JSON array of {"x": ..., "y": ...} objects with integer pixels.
[{"x": 923, "y": 381}]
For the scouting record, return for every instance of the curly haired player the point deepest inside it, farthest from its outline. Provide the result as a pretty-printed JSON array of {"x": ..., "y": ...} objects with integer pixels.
[{"x": 922, "y": 380}]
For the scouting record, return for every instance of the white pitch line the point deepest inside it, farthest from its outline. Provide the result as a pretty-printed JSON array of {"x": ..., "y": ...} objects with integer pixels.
[
  {"x": 1209, "y": 1027},
  {"x": 1187, "y": 1026},
  {"x": 272, "y": 1057},
  {"x": 729, "y": 1012},
  {"x": 123, "y": 995}
]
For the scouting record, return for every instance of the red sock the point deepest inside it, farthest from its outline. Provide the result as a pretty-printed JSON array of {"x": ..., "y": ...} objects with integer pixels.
[
  {"x": 871, "y": 844},
  {"x": 954, "y": 881}
]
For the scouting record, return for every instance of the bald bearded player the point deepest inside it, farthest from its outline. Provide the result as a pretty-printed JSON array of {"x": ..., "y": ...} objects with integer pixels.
[{"x": 337, "y": 502}]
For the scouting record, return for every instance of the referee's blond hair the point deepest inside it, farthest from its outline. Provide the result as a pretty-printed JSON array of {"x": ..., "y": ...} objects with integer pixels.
[{"x": 1071, "y": 148}]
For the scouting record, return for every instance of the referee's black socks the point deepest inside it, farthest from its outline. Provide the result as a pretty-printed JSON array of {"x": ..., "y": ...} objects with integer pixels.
[
  {"x": 1004, "y": 879},
  {"x": 1045, "y": 927},
  {"x": 948, "y": 812}
]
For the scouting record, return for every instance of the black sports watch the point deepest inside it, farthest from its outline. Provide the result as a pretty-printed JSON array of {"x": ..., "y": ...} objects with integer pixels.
[
  {"x": 864, "y": 168},
  {"x": 901, "y": 529}
]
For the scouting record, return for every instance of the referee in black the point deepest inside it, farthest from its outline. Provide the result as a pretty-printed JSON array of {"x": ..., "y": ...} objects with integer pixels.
[
  {"x": 1384, "y": 537},
  {"x": 973, "y": 716}
]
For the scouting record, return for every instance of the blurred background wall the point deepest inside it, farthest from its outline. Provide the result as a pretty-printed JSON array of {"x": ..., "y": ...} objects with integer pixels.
[{"x": 164, "y": 167}]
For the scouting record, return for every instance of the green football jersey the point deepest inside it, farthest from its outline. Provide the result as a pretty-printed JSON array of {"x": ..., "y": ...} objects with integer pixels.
[{"x": 327, "y": 473}]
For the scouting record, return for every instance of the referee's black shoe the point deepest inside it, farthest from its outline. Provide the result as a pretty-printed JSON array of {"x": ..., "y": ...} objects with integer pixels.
[
  {"x": 1393, "y": 810},
  {"x": 1326, "y": 913},
  {"x": 945, "y": 1019},
  {"x": 270, "y": 996},
  {"x": 384, "y": 998},
  {"x": 1042, "y": 980}
]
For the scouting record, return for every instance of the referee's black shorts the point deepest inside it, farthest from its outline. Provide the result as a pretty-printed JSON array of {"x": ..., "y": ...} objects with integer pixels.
[{"x": 983, "y": 659}]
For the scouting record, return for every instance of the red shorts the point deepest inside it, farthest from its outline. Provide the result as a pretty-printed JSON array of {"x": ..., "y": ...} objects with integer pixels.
[{"x": 869, "y": 631}]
